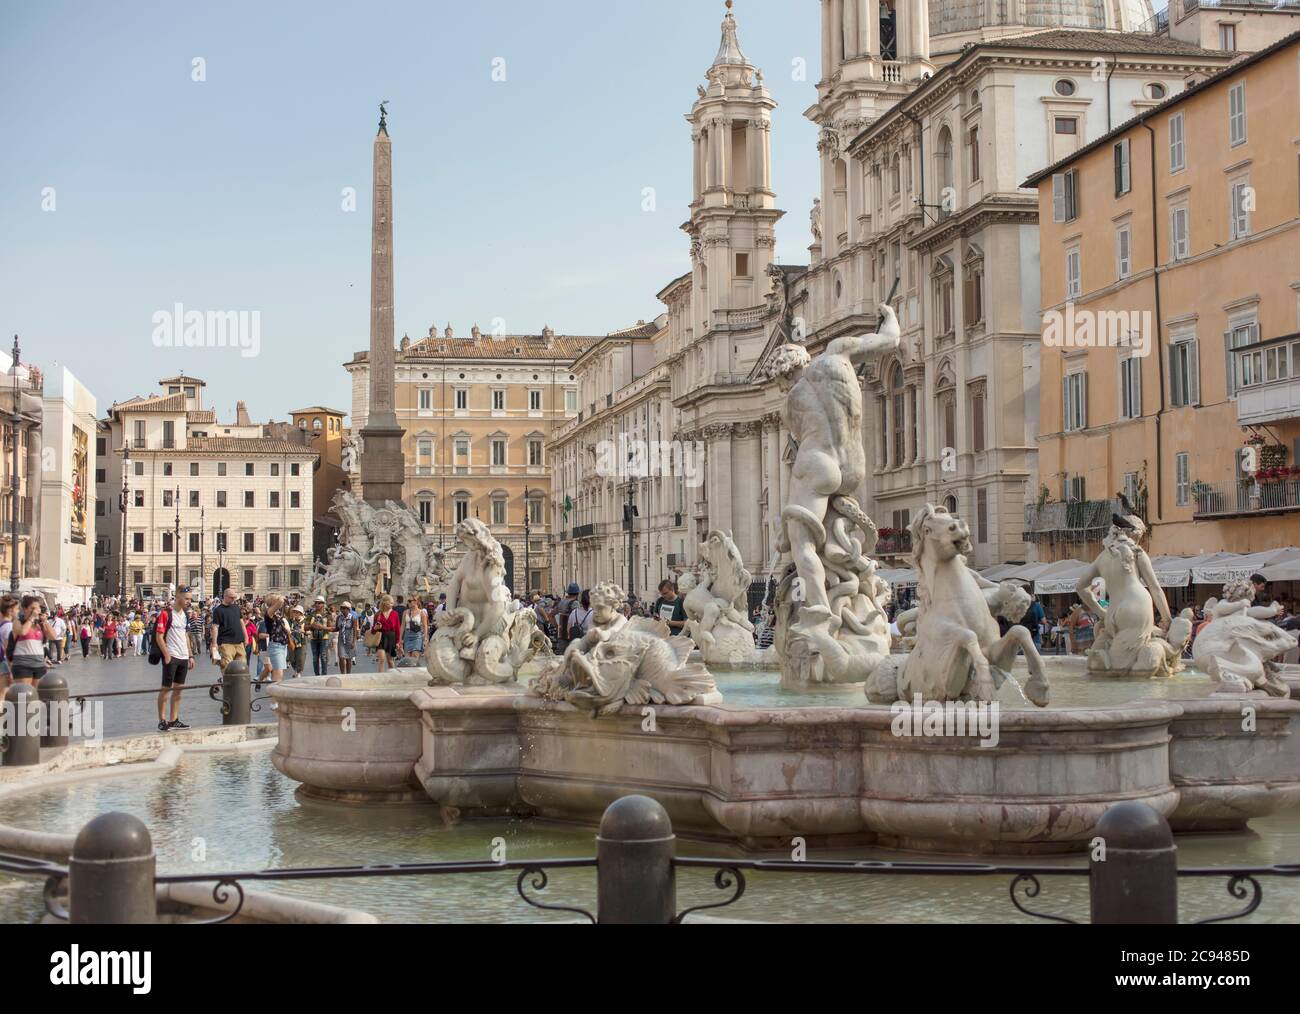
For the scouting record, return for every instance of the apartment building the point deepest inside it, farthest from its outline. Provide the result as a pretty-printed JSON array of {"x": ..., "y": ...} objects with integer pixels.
[
  {"x": 191, "y": 500},
  {"x": 477, "y": 413},
  {"x": 1171, "y": 293}
]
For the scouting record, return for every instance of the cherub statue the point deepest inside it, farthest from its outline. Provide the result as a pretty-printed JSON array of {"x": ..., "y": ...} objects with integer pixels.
[
  {"x": 624, "y": 661},
  {"x": 1239, "y": 647}
]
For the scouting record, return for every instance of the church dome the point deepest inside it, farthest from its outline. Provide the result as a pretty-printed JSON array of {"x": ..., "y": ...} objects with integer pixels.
[{"x": 951, "y": 16}]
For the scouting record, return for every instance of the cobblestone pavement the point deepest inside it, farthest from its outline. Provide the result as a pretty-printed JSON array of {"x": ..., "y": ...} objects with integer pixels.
[{"x": 138, "y": 713}]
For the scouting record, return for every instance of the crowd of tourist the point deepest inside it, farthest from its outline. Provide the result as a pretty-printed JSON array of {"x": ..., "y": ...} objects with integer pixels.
[{"x": 280, "y": 637}]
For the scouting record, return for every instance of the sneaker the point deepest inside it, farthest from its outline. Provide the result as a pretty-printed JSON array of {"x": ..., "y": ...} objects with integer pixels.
[
  {"x": 178, "y": 724},
  {"x": 163, "y": 726}
]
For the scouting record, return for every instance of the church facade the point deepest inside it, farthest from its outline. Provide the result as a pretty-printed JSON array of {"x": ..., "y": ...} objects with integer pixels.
[{"x": 931, "y": 116}]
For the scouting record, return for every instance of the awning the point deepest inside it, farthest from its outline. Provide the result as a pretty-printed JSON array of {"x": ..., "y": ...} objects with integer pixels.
[
  {"x": 898, "y": 578},
  {"x": 1062, "y": 579},
  {"x": 1235, "y": 567}
]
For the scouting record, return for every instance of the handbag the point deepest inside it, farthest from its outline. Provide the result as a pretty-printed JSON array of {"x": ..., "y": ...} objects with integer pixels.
[{"x": 372, "y": 638}]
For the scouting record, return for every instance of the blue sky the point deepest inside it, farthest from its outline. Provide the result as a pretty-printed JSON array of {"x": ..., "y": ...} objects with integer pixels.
[{"x": 519, "y": 199}]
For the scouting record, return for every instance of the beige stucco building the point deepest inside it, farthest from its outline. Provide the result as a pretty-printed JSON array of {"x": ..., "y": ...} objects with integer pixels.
[
  {"x": 1171, "y": 289},
  {"x": 477, "y": 413},
  {"x": 245, "y": 498}
]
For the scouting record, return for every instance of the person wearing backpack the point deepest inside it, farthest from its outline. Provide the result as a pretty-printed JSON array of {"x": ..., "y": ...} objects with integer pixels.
[
  {"x": 172, "y": 648},
  {"x": 563, "y": 617},
  {"x": 7, "y": 606}
]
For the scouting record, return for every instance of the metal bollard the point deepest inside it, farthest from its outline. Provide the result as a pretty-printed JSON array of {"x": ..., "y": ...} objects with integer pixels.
[
  {"x": 1137, "y": 882},
  {"x": 111, "y": 872},
  {"x": 53, "y": 692},
  {"x": 237, "y": 696},
  {"x": 22, "y": 718},
  {"x": 635, "y": 880}
]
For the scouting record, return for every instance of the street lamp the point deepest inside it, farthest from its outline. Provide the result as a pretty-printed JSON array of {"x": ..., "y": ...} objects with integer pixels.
[
  {"x": 220, "y": 590},
  {"x": 629, "y": 514},
  {"x": 123, "y": 503},
  {"x": 177, "y": 539},
  {"x": 203, "y": 571},
  {"x": 528, "y": 569},
  {"x": 15, "y": 422}
]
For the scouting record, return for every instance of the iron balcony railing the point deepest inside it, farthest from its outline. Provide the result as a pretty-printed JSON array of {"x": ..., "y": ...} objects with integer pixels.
[
  {"x": 1083, "y": 519},
  {"x": 1227, "y": 499}
]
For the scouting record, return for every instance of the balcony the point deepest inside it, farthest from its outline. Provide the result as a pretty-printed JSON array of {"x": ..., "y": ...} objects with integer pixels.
[
  {"x": 1245, "y": 499},
  {"x": 1073, "y": 520},
  {"x": 584, "y": 531},
  {"x": 1268, "y": 380}
]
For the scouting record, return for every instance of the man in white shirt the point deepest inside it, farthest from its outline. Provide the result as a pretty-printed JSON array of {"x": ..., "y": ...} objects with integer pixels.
[
  {"x": 60, "y": 639},
  {"x": 172, "y": 637}
]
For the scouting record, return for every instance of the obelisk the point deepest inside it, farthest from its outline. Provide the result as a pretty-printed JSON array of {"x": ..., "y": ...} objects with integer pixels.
[{"x": 383, "y": 465}]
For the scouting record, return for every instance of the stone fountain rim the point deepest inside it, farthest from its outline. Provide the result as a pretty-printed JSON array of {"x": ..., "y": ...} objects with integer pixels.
[{"x": 1105, "y": 716}]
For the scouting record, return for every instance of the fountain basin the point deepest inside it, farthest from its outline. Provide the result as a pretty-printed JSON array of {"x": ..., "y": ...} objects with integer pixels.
[
  {"x": 1233, "y": 758},
  {"x": 759, "y": 777},
  {"x": 351, "y": 738}
]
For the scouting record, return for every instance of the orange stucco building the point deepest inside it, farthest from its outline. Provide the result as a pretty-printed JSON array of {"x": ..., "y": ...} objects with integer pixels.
[{"x": 1170, "y": 273}]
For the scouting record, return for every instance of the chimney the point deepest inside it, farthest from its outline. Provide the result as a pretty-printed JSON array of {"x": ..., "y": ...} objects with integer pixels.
[
  {"x": 241, "y": 415},
  {"x": 475, "y": 333},
  {"x": 548, "y": 336}
]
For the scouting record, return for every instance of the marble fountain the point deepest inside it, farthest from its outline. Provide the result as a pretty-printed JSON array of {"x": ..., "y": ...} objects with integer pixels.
[{"x": 822, "y": 745}]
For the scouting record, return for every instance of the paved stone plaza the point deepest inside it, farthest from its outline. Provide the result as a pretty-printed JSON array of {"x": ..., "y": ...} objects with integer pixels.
[{"x": 137, "y": 714}]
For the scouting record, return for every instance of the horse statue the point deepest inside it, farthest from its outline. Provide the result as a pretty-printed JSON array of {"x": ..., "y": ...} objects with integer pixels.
[
  {"x": 483, "y": 636},
  {"x": 960, "y": 654}
]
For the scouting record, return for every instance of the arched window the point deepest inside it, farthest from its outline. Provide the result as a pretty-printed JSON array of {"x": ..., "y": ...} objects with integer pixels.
[
  {"x": 898, "y": 399},
  {"x": 943, "y": 290},
  {"x": 316, "y": 424},
  {"x": 950, "y": 504},
  {"x": 943, "y": 161}
]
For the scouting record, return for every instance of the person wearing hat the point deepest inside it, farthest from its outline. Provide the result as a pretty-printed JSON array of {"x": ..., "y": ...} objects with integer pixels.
[
  {"x": 297, "y": 640},
  {"x": 562, "y": 611},
  {"x": 319, "y": 627}
]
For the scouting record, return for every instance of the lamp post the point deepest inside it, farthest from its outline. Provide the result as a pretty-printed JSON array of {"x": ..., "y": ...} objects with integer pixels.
[
  {"x": 528, "y": 560},
  {"x": 629, "y": 514},
  {"x": 177, "y": 539},
  {"x": 15, "y": 421},
  {"x": 123, "y": 504},
  {"x": 203, "y": 571},
  {"x": 220, "y": 590}
]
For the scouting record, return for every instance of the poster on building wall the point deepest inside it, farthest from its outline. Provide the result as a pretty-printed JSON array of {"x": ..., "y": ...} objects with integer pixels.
[{"x": 80, "y": 445}]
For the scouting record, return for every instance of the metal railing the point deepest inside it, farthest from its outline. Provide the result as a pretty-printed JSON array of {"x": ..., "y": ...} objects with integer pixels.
[
  {"x": 1218, "y": 499},
  {"x": 636, "y": 873},
  {"x": 1079, "y": 520}
]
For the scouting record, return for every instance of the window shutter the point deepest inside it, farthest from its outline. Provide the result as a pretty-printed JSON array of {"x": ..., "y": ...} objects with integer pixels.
[
  {"x": 1135, "y": 368},
  {"x": 1058, "y": 197},
  {"x": 1067, "y": 416},
  {"x": 1230, "y": 368},
  {"x": 1193, "y": 372},
  {"x": 1083, "y": 401},
  {"x": 1119, "y": 169}
]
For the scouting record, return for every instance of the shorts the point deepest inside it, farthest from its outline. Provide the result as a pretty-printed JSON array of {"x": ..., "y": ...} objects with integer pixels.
[
  {"x": 29, "y": 668},
  {"x": 229, "y": 652},
  {"x": 175, "y": 671},
  {"x": 278, "y": 654}
]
